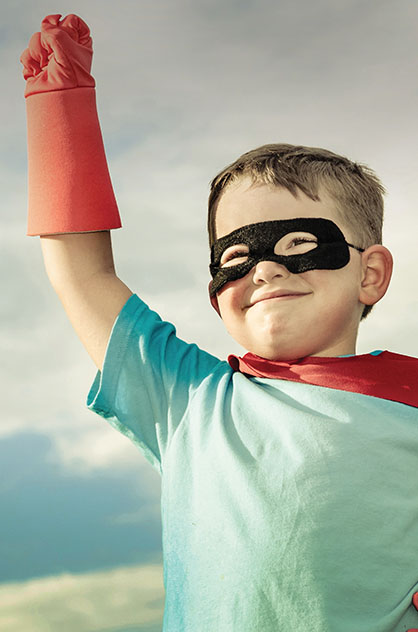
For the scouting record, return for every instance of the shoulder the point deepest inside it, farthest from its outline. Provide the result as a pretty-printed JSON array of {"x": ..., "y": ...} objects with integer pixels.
[{"x": 388, "y": 357}]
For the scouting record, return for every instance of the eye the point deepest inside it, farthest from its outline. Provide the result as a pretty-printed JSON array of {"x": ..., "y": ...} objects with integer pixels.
[
  {"x": 296, "y": 244},
  {"x": 234, "y": 256}
]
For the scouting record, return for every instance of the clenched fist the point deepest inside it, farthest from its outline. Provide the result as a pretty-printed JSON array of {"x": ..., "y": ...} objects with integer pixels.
[
  {"x": 69, "y": 186},
  {"x": 59, "y": 56}
]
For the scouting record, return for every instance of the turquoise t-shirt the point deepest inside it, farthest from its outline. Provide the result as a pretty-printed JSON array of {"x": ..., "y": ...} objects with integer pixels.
[{"x": 285, "y": 506}]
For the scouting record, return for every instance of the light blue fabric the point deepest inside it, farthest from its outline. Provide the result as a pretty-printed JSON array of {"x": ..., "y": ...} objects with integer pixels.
[{"x": 285, "y": 506}]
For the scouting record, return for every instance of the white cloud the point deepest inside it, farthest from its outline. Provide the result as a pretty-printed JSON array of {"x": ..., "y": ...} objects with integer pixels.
[{"x": 125, "y": 596}]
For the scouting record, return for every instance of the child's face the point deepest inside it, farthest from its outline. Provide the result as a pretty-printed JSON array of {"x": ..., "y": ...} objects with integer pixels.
[{"x": 323, "y": 318}]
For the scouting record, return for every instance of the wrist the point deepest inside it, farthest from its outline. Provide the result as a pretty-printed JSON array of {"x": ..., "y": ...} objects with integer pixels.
[{"x": 69, "y": 183}]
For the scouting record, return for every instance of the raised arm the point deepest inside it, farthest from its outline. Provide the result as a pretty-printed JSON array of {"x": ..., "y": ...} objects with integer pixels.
[
  {"x": 81, "y": 270},
  {"x": 71, "y": 201}
]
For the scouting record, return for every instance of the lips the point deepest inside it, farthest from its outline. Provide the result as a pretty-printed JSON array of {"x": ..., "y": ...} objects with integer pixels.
[{"x": 277, "y": 294}]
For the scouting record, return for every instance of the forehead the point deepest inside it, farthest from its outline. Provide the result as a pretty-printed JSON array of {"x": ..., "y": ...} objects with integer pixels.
[{"x": 244, "y": 203}]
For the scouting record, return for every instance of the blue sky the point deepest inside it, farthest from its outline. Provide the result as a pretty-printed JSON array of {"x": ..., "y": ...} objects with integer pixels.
[
  {"x": 183, "y": 89},
  {"x": 52, "y": 521}
]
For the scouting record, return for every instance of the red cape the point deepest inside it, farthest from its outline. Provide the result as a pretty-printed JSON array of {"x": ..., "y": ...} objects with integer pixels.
[{"x": 387, "y": 375}]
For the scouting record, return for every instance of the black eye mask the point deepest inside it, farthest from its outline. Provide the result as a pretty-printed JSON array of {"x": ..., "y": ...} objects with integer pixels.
[{"x": 329, "y": 253}]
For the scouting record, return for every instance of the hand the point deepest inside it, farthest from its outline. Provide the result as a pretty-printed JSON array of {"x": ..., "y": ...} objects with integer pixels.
[{"x": 58, "y": 57}]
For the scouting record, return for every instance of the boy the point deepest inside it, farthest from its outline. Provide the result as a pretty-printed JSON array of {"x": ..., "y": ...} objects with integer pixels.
[{"x": 289, "y": 488}]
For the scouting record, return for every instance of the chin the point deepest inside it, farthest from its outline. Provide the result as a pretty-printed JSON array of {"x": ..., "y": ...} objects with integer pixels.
[{"x": 281, "y": 355}]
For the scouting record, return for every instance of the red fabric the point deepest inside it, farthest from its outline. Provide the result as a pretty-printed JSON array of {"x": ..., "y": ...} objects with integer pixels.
[
  {"x": 388, "y": 375},
  {"x": 69, "y": 186},
  {"x": 58, "y": 57},
  {"x": 415, "y": 603}
]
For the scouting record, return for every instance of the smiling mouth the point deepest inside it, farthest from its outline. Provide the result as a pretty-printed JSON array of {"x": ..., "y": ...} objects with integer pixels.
[{"x": 279, "y": 298}]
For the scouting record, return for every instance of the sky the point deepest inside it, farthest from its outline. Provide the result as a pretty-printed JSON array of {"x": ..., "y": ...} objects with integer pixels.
[{"x": 183, "y": 89}]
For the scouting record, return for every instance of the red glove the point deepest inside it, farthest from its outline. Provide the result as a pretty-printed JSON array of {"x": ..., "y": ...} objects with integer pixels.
[{"x": 69, "y": 186}]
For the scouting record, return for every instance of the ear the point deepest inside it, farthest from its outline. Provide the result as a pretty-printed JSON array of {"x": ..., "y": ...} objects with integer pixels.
[
  {"x": 377, "y": 266},
  {"x": 214, "y": 300}
]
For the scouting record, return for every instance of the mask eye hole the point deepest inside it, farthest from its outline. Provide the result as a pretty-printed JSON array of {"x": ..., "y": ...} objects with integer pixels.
[
  {"x": 296, "y": 244},
  {"x": 234, "y": 255}
]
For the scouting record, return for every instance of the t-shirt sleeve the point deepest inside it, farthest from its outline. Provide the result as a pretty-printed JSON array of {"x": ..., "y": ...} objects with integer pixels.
[{"x": 147, "y": 379}]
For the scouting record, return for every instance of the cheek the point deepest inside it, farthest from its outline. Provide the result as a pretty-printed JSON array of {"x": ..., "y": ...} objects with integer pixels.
[
  {"x": 230, "y": 297},
  {"x": 336, "y": 289}
]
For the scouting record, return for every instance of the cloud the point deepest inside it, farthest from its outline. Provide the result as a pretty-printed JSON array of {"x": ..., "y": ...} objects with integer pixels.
[{"x": 110, "y": 601}]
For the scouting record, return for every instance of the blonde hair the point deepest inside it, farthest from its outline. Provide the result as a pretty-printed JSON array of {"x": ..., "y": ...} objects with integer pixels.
[{"x": 355, "y": 188}]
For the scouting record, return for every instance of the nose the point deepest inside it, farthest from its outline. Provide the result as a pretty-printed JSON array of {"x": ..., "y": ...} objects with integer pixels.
[{"x": 265, "y": 271}]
